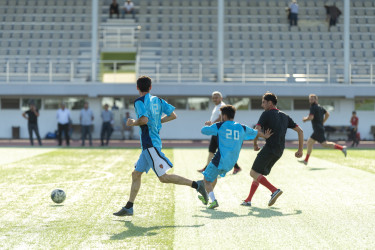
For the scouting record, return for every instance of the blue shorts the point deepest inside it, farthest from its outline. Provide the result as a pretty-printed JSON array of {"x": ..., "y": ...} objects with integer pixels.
[
  {"x": 155, "y": 159},
  {"x": 212, "y": 172}
]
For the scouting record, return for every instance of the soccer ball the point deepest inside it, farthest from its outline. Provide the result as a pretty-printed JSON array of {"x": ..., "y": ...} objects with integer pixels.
[{"x": 58, "y": 195}]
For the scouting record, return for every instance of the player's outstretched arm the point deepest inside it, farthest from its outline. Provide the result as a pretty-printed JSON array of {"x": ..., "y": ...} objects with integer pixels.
[
  {"x": 267, "y": 134},
  {"x": 139, "y": 122},
  {"x": 308, "y": 118},
  {"x": 169, "y": 118},
  {"x": 299, "y": 153}
]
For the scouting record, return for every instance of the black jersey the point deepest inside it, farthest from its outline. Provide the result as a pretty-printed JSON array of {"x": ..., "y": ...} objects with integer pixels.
[
  {"x": 318, "y": 112},
  {"x": 278, "y": 122},
  {"x": 33, "y": 119}
]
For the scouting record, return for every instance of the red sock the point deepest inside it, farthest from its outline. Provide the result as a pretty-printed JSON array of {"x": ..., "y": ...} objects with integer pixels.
[
  {"x": 337, "y": 146},
  {"x": 263, "y": 180},
  {"x": 307, "y": 158},
  {"x": 253, "y": 188}
]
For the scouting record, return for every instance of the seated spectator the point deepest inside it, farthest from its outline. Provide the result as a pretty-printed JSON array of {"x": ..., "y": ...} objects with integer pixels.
[
  {"x": 113, "y": 9},
  {"x": 128, "y": 9}
]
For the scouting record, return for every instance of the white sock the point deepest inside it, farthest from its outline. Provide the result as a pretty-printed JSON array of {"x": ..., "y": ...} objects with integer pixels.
[{"x": 212, "y": 196}]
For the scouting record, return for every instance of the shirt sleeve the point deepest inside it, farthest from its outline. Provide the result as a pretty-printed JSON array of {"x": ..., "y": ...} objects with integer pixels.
[
  {"x": 262, "y": 119},
  {"x": 312, "y": 110},
  {"x": 141, "y": 109},
  {"x": 167, "y": 108},
  {"x": 250, "y": 133},
  {"x": 210, "y": 130},
  {"x": 291, "y": 123}
]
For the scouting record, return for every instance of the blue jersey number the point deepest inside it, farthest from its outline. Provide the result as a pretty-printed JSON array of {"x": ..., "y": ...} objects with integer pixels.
[{"x": 232, "y": 134}]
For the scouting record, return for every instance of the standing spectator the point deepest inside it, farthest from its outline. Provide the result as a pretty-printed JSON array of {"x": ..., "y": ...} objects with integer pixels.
[
  {"x": 31, "y": 116},
  {"x": 125, "y": 127},
  {"x": 107, "y": 129},
  {"x": 86, "y": 119},
  {"x": 113, "y": 9},
  {"x": 128, "y": 9},
  {"x": 63, "y": 121},
  {"x": 354, "y": 129},
  {"x": 293, "y": 6},
  {"x": 333, "y": 14}
]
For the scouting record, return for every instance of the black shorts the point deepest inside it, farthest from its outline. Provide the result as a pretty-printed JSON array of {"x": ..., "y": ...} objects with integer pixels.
[
  {"x": 213, "y": 145},
  {"x": 265, "y": 161},
  {"x": 318, "y": 136}
]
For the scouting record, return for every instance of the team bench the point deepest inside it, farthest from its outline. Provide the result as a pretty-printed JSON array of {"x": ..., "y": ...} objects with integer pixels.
[{"x": 339, "y": 132}]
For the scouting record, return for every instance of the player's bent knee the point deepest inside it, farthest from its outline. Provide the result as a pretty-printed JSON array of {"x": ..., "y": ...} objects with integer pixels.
[
  {"x": 164, "y": 178},
  {"x": 136, "y": 175}
]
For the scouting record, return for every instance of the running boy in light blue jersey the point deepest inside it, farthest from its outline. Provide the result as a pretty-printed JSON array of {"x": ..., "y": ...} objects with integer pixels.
[
  {"x": 151, "y": 112},
  {"x": 230, "y": 136}
]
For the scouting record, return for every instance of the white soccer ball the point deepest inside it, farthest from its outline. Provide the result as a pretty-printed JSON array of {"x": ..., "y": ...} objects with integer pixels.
[{"x": 58, "y": 195}]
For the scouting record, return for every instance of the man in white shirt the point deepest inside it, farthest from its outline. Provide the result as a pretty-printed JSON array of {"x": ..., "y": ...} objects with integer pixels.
[
  {"x": 63, "y": 119},
  {"x": 86, "y": 118},
  {"x": 217, "y": 99},
  {"x": 128, "y": 9},
  {"x": 293, "y": 8}
]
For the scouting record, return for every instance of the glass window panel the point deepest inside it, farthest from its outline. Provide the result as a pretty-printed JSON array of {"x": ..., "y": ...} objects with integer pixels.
[
  {"x": 284, "y": 103},
  {"x": 301, "y": 104},
  {"x": 365, "y": 104},
  {"x": 52, "y": 103},
  {"x": 256, "y": 103},
  {"x": 198, "y": 103},
  {"x": 241, "y": 103},
  {"x": 27, "y": 101},
  {"x": 327, "y": 104},
  {"x": 178, "y": 102},
  {"x": 129, "y": 102},
  {"x": 10, "y": 103}
]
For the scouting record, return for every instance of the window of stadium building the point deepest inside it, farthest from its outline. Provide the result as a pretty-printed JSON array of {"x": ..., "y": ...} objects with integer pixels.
[
  {"x": 256, "y": 103},
  {"x": 10, "y": 103},
  {"x": 129, "y": 102},
  {"x": 73, "y": 103},
  {"x": 178, "y": 102},
  {"x": 25, "y": 104},
  {"x": 241, "y": 103},
  {"x": 328, "y": 104},
  {"x": 301, "y": 104},
  {"x": 198, "y": 103},
  {"x": 365, "y": 104},
  {"x": 284, "y": 103},
  {"x": 114, "y": 103}
]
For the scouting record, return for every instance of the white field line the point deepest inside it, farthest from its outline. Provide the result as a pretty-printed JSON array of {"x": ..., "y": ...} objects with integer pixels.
[
  {"x": 8, "y": 155},
  {"x": 324, "y": 205}
]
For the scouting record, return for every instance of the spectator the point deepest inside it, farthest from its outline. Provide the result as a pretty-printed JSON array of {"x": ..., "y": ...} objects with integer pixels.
[
  {"x": 113, "y": 9},
  {"x": 31, "y": 116},
  {"x": 354, "y": 135},
  {"x": 63, "y": 122},
  {"x": 86, "y": 119},
  {"x": 128, "y": 9},
  {"x": 333, "y": 14},
  {"x": 129, "y": 129},
  {"x": 293, "y": 8},
  {"x": 107, "y": 129}
]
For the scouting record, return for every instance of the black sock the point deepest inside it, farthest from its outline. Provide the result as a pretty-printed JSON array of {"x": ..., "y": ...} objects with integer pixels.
[
  {"x": 194, "y": 185},
  {"x": 129, "y": 205}
]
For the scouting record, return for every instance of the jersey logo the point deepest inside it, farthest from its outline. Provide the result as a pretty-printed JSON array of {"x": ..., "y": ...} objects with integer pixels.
[{"x": 161, "y": 165}]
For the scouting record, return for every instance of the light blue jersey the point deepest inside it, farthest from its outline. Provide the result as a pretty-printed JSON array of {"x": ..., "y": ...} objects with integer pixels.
[
  {"x": 230, "y": 138},
  {"x": 153, "y": 108}
]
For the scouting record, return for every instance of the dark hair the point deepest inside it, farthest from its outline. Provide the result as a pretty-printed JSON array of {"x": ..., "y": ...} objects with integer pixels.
[
  {"x": 354, "y": 112},
  {"x": 228, "y": 110},
  {"x": 144, "y": 83},
  {"x": 270, "y": 97}
]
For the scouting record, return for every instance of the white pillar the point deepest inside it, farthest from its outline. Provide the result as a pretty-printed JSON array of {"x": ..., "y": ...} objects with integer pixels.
[
  {"x": 94, "y": 39},
  {"x": 346, "y": 41},
  {"x": 220, "y": 40}
]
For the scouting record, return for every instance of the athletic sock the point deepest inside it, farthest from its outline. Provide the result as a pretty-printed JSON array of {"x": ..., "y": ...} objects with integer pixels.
[
  {"x": 129, "y": 205},
  {"x": 212, "y": 196},
  {"x": 194, "y": 185},
  {"x": 263, "y": 180},
  {"x": 254, "y": 187},
  {"x": 307, "y": 158},
  {"x": 337, "y": 146}
]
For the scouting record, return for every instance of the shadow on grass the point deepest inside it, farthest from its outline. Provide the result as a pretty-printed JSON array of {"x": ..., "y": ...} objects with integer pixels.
[
  {"x": 217, "y": 214},
  {"x": 137, "y": 231},
  {"x": 270, "y": 212},
  {"x": 59, "y": 205},
  {"x": 315, "y": 169}
]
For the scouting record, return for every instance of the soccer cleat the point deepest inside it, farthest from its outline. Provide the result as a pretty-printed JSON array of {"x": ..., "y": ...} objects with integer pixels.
[
  {"x": 202, "y": 199},
  {"x": 202, "y": 170},
  {"x": 246, "y": 203},
  {"x": 344, "y": 151},
  {"x": 303, "y": 162},
  {"x": 124, "y": 212},
  {"x": 213, "y": 204},
  {"x": 274, "y": 197},
  {"x": 236, "y": 170},
  {"x": 202, "y": 190}
]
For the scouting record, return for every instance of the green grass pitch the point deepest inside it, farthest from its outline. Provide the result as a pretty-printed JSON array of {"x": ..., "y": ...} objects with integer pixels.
[{"x": 327, "y": 204}]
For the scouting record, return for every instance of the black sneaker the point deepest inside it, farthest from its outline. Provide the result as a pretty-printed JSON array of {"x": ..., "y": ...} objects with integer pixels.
[
  {"x": 124, "y": 212},
  {"x": 202, "y": 190},
  {"x": 274, "y": 197}
]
